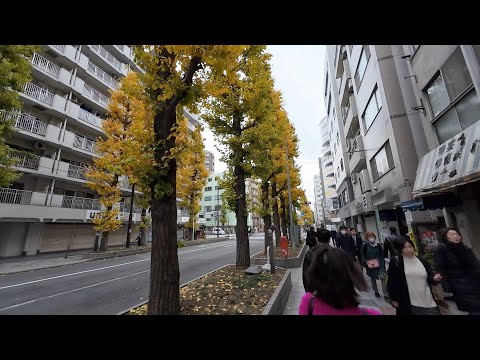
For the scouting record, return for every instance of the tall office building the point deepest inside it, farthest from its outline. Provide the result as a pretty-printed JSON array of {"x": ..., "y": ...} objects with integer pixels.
[{"x": 210, "y": 161}]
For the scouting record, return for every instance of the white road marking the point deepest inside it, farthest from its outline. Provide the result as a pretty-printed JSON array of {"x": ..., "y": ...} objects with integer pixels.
[{"x": 70, "y": 291}]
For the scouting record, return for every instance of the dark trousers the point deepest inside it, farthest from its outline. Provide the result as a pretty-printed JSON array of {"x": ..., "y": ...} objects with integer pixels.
[{"x": 424, "y": 311}]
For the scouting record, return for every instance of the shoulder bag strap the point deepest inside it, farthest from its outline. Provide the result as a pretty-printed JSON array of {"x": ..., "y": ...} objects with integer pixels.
[{"x": 311, "y": 304}]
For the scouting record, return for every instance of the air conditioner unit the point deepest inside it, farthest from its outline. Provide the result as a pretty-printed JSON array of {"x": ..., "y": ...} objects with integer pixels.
[
  {"x": 39, "y": 145},
  {"x": 354, "y": 178}
]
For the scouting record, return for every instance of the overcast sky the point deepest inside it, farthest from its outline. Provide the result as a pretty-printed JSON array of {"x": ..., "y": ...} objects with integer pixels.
[{"x": 298, "y": 72}]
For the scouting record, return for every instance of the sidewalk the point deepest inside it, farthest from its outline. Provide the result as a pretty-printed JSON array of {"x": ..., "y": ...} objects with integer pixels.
[{"x": 366, "y": 298}]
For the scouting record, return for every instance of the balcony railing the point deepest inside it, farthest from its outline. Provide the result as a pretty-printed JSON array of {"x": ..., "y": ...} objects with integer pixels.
[
  {"x": 77, "y": 172},
  {"x": 83, "y": 143},
  {"x": 25, "y": 160},
  {"x": 37, "y": 92},
  {"x": 89, "y": 118},
  {"x": 102, "y": 75},
  {"x": 60, "y": 48},
  {"x": 27, "y": 122},
  {"x": 95, "y": 95},
  {"x": 120, "y": 47},
  {"x": 46, "y": 65},
  {"x": 74, "y": 202},
  {"x": 100, "y": 50},
  {"x": 14, "y": 196}
]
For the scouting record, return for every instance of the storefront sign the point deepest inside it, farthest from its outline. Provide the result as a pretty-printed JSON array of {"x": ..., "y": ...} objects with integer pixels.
[
  {"x": 97, "y": 214},
  {"x": 455, "y": 162}
]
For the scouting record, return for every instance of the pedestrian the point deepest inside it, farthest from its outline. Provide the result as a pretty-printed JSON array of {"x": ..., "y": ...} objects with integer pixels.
[
  {"x": 322, "y": 237},
  {"x": 388, "y": 246},
  {"x": 334, "y": 279},
  {"x": 409, "y": 281},
  {"x": 371, "y": 255},
  {"x": 357, "y": 241},
  {"x": 460, "y": 267},
  {"x": 333, "y": 235},
  {"x": 345, "y": 242},
  {"x": 311, "y": 237}
]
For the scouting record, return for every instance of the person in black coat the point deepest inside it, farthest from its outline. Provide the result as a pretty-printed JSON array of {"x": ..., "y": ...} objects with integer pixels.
[
  {"x": 412, "y": 296},
  {"x": 311, "y": 242},
  {"x": 388, "y": 246},
  {"x": 322, "y": 237},
  {"x": 357, "y": 241},
  {"x": 461, "y": 269},
  {"x": 345, "y": 242}
]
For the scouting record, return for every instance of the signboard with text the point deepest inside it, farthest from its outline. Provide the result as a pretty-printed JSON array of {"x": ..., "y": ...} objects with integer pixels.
[{"x": 97, "y": 214}]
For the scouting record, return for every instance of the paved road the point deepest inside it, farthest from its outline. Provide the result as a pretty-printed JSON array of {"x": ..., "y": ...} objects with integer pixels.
[{"x": 105, "y": 287}]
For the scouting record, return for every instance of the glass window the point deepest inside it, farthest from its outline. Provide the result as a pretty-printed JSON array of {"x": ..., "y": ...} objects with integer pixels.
[
  {"x": 456, "y": 75},
  {"x": 382, "y": 162},
  {"x": 341, "y": 164},
  {"x": 468, "y": 110},
  {"x": 437, "y": 95},
  {"x": 208, "y": 188},
  {"x": 447, "y": 126},
  {"x": 372, "y": 109},
  {"x": 362, "y": 64},
  {"x": 207, "y": 198}
]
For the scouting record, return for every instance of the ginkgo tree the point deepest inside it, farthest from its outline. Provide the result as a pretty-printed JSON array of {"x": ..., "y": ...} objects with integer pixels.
[
  {"x": 234, "y": 113},
  {"x": 175, "y": 76},
  {"x": 118, "y": 152},
  {"x": 191, "y": 173}
]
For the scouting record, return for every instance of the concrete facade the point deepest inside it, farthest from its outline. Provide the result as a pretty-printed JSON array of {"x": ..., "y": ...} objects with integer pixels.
[
  {"x": 56, "y": 131},
  {"x": 209, "y": 161}
]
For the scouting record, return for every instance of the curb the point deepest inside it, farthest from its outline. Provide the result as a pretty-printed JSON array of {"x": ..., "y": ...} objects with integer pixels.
[
  {"x": 99, "y": 256},
  {"x": 275, "y": 306},
  {"x": 200, "y": 242},
  {"x": 279, "y": 299},
  {"x": 288, "y": 264}
]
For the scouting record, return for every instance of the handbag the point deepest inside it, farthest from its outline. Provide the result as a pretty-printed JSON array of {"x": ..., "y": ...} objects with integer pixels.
[
  {"x": 438, "y": 297},
  {"x": 373, "y": 264}
]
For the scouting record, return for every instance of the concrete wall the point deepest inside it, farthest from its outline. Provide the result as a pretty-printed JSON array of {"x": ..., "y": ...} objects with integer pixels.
[
  {"x": 370, "y": 225},
  {"x": 33, "y": 238},
  {"x": 12, "y": 238}
]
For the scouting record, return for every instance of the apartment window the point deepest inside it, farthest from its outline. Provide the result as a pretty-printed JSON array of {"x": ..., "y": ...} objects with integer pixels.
[
  {"x": 218, "y": 197},
  {"x": 217, "y": 207},
  {"x": 372, "y": 109},
  {"x": 208, "y": 208},
  {"x": 209, "y": 179},
  {"x": 453, "y": 101},
  {"x": 329, "y": 103},
  {"x": 207, "y": 198},
  {"x": 208, "y": 188},
  {"x": 218, "y": 188},
  {"x": 382, "y": 162},
  {"x": 362, "y": 65},
  {"x": 341, "y": 164}
]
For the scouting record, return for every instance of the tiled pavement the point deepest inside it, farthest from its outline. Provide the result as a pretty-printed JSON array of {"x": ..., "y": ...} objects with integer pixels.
[{"x": 366, "y": 298}]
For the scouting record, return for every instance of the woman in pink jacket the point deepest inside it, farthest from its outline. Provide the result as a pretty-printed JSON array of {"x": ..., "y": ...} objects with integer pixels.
[{"x": 333, "y": 277}]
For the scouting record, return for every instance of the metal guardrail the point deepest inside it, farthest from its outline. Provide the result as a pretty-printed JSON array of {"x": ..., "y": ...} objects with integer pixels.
[
  {"x": 37, "y": 92},
  {"x": 14, "y": 196},
  {"x": 83, "y": 143},
  {"x": 44, "y": 64},
  {"x": 60, "y": 48},
  {"x": 89, "y": 118},
  {"x": 102, "y": 75},
  {"x": 25, "y": 160},
  {"x": 25, "y": 122},
  {"x": 100, "y": 50},
  {"x": 74, "y": 202},
  {"x": 95, "y": 95},
  {"x": 77, "y": 172}
]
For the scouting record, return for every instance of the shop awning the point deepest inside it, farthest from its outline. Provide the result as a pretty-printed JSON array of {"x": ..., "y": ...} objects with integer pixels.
[
  {"x": 434, "y": 202},
  {"x": 455, "y": 162}
]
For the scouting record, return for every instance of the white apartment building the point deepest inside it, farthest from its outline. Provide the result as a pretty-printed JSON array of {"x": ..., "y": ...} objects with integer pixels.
[{"x": 49, "y": 207}]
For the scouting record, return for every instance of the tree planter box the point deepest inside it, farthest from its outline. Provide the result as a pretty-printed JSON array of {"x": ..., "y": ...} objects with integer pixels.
[
  {"x": 275, "y": 305},
  {"x": 289, "y": 263}
]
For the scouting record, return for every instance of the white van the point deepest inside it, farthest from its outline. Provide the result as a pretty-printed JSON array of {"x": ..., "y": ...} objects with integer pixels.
[{"x": 218, "y": 231}]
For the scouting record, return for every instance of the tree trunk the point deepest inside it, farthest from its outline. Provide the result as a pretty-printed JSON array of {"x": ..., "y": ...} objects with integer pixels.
[
  {"x": 276, "y": 216},
  {"x": 283, "y": 219},
  {"x": 267, "y": 219},
  {"x": 143, "y": 240},
  {"x": 104, "y": 242},
  {"x": 164, "y": 296},
  {"x": 243, "y": 245}
]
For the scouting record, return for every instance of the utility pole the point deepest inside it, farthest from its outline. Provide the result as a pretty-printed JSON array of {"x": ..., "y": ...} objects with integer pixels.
[
  {"x": 323, "y": 191},
  {"x": 292, "y": 232},
  {"x": 129, "y": 227}
]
